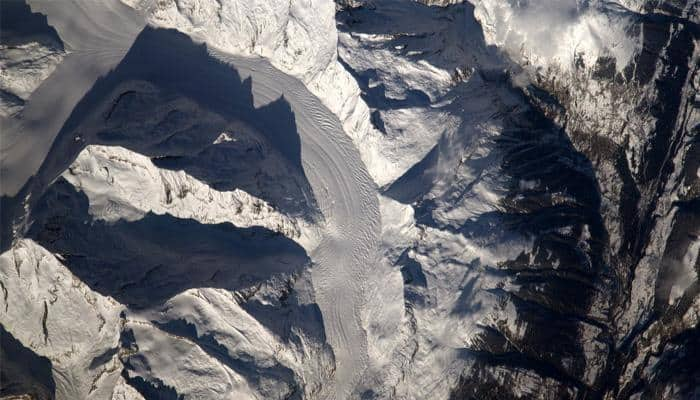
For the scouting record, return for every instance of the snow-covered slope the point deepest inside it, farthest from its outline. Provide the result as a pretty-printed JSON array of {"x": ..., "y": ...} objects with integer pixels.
[
  {"x": 520, "y": 276},
  {"x": 124, "y": 185},
  {"x": 29, "y": 53},
  {"x": 138, "y": 107},
  {"x": 559, "y": 34},
  {"x": 49, "y": 310},
  {"x": 96, "y": 44},
  {"x": 298, "y": 38},
  {"x": 367, "y": 199}
]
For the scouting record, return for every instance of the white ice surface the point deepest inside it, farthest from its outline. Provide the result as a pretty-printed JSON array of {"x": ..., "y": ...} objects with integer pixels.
[
  {"x": 347, "y": 198},
  {"x": 96, "y": 36},
  {"x": 299, "y": 38},
  {"x": 342, "y": 187}
]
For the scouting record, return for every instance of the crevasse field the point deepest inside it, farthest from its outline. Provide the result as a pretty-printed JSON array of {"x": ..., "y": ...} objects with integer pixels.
[{"x": 359, "y": 199}]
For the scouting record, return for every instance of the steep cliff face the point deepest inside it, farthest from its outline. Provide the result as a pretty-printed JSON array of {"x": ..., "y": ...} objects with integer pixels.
[
  {"x": 637, "y": 121},
  {"x": 505, "y": 233},
  {"x": 593, "y": 185}
]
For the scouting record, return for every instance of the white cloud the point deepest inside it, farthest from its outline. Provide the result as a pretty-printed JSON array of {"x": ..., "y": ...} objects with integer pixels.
[{"x": 554, "y": 32}]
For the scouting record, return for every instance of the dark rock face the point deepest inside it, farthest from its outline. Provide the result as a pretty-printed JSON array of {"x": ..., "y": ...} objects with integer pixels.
[
  {"x": 23, "y": 372},
  {"x": 603, "y": 302},
  {"x": 566, "y": 341},
  {"x": 559, "y": 221},
  {"x": 647, "y": 173}
]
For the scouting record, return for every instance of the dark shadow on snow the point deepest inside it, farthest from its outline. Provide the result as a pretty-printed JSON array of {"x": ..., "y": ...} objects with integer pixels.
[
  {"x": 170, "y": 100},
  {"x": 23, "y": 372},
  {"x": 165, "y": 66},
  {"x": 256, "y": 374},
  {"x": 145, "y": 262},
  {"x": 19, "y": 25},
  {"x": 550, "y": 198}
]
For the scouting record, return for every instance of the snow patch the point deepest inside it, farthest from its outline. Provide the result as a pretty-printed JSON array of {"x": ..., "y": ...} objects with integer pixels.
[
  {"x": 57, "y": 316},
  {"x": 557, "y": 33},
  {"x": 122, "y": 184},
  {"x": 685, "y": 273}
]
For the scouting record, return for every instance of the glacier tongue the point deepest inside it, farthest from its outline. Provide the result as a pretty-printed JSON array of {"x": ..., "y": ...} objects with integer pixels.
[
  {"x": 347, "y": 198},
  {"x": 122, "y": 195}
]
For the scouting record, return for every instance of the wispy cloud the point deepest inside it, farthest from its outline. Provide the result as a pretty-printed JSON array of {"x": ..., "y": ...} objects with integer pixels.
[{"x": 548, "y": 32}]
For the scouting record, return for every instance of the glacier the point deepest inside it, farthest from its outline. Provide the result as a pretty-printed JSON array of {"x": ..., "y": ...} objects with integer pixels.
[{"x": 373, "y": 199}]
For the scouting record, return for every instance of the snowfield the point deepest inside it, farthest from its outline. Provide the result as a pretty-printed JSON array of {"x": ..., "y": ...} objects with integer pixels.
[
  {"x": 350, "y": 199},
  {"x": 342, "y": 188}
]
